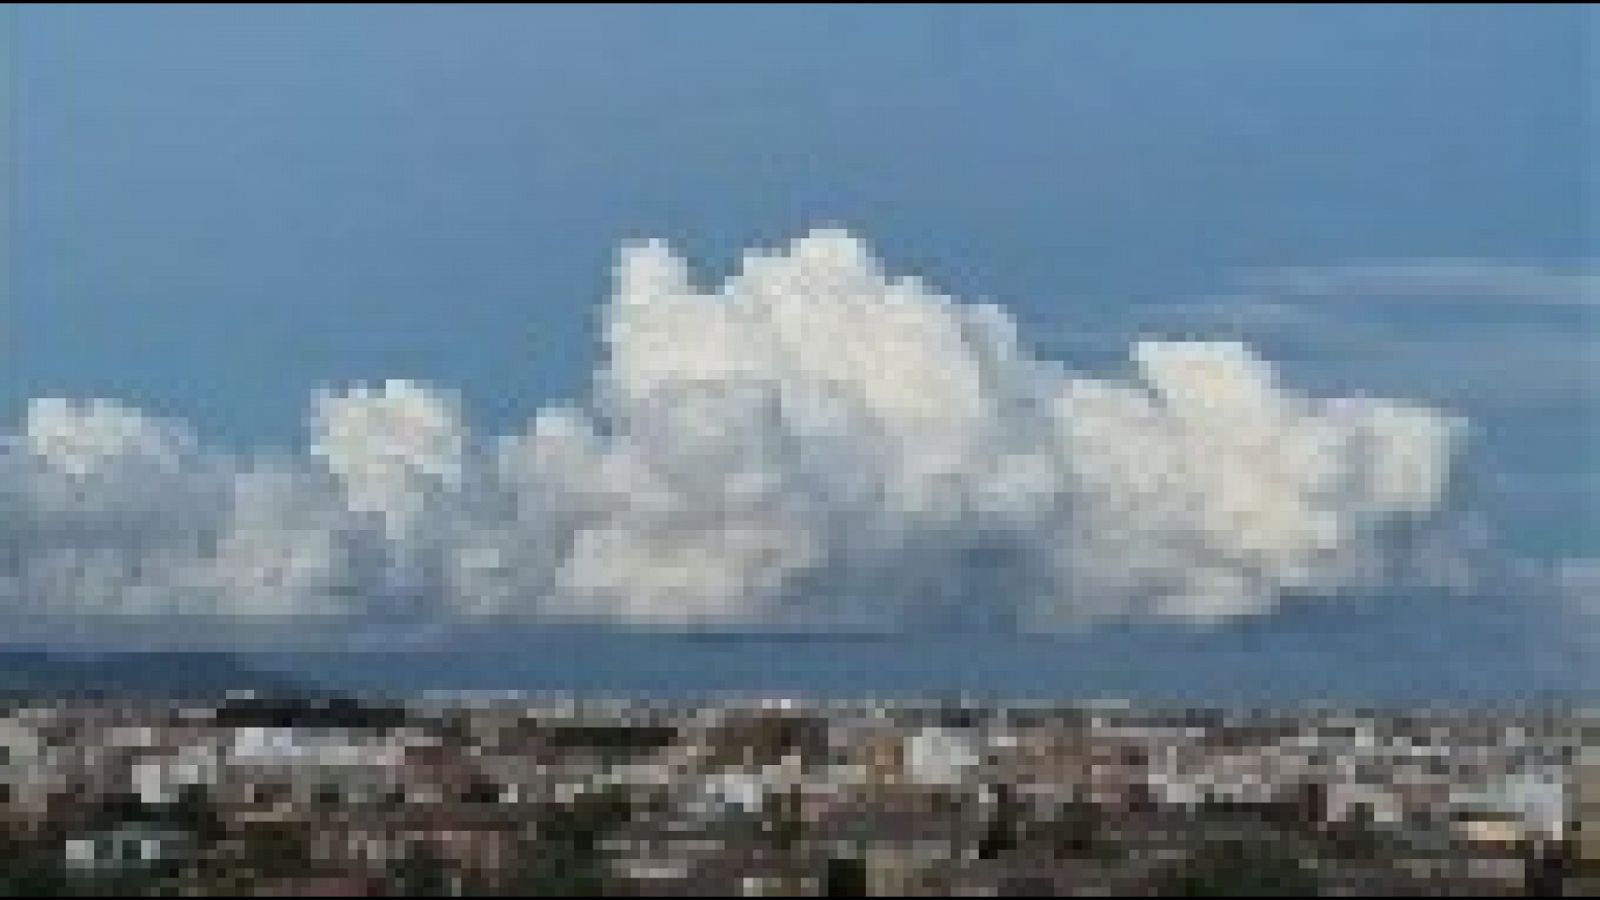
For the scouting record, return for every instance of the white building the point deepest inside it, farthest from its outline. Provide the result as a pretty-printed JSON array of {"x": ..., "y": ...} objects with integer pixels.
[
  {"x": 23, "y": 764},
  {"x": 938, "y": 757},
  {"x": 162, "y": 780},
  {"x": 132, "y": 845}
]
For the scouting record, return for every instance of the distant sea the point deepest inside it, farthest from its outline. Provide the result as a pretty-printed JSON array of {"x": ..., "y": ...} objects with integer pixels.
[{"x": 1426, "y": 651}]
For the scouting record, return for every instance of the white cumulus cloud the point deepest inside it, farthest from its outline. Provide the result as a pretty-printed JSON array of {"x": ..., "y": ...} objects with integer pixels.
[{"x": 813, "y": 439}]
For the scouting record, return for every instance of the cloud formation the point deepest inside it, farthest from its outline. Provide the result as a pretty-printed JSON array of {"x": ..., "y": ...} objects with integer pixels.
[
  {"x": 814, "y": 440},
  {"x": 1437, "y": 281}
]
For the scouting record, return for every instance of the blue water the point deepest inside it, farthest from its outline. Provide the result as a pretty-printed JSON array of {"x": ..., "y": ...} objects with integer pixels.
[
  {"x": 1477, "y": 654},
  {"x": 1397, "y": 650}
]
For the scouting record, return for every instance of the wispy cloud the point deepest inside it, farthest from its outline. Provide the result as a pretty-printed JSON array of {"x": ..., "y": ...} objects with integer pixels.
[{"x": 1434, "y": 281}]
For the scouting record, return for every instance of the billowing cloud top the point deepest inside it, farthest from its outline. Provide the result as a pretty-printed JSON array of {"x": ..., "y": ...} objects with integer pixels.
[{"x": 815, "y": 440}]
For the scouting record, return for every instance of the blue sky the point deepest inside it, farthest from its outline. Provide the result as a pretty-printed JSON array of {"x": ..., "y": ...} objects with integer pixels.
[
  {"x": 217, "y": 209},
  {"x": 220, "y": 206}
]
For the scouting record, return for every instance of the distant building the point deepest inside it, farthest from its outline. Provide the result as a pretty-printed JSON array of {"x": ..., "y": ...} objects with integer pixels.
[
  {"x": 940, "y": 757},
  {"x": 24, "y": 786},
  {"x": 128, "y": 846},
  {"x": 1586, "y": 809}
]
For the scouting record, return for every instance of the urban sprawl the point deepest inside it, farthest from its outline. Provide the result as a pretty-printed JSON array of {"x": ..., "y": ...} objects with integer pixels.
[{"x": 556, "y": 795}]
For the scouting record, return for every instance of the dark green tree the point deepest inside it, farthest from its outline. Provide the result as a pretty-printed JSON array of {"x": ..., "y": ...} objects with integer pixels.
[
  {"x": 1226, "y": 868},
  {"x": 421, "y": 873},
  {"x": 846, "y": 877}
]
